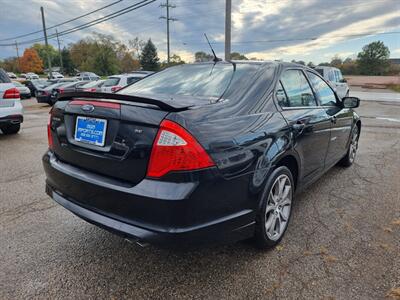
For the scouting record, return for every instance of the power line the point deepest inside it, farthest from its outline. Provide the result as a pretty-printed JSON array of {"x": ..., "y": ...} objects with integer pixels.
[
  {"x": 63, "y": 23},
  {"x": 92, "y": 23}
]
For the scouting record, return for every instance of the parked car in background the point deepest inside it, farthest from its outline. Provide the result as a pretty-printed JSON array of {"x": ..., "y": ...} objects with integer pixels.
[
  {"x": 24, "y": 91},
  {"x": 55, "y": 75},
  {"x": 335, "y": 78},
  {"x": 117, "y": 82},
  {"x": 32, "y": 76},
  {"x": 87, "y": 76},
  {"x": 11, "y": 75},
  {"x": 92, "y": 86},
  {"x": 199, "y": 153},
  {"x": 43, "y": 95},
  {"x": 36, "y": 84},
  {"x": 65, "y": 87},
  {"x": 11, "y": 111}
]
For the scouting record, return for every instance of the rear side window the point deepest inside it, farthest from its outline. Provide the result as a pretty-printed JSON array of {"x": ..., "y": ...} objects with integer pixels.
[
  {"x": 297, "y": 89},
  {"x": 339, "y": 76},
  {"x": 324, "y": 93},
  {"x": 4, "y": 77},
  {"x": 111, "y": 81},
  {"x": 331, "y": 76},
  {"x": 130, "y": 80}
]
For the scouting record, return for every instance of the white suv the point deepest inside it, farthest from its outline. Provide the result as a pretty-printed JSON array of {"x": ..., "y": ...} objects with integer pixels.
[
  {"x": 117, "y": 82},
  {"x": 11, "y": 111},
  {"x": 335, "y": 79}
]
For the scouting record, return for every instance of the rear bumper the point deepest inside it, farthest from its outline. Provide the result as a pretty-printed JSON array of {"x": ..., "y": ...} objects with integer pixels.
[
  {"x": 161, "y": 213},
  {"x": 13, "y": 119}
]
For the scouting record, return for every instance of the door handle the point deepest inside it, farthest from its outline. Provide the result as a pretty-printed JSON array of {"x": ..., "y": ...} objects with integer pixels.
[
  {"x": 333, "y": 119},
  {"x": 299, "y": 126}
]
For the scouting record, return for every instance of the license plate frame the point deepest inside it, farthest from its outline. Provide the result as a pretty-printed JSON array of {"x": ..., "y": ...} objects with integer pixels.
[{"x": 87, "y": 134}]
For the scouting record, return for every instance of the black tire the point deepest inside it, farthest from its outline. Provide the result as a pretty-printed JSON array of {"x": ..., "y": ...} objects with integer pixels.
[
  {"x": 11, "y": 129},
  {"x": 350, "y": 156},
  {"x": 261, "y": 236}
]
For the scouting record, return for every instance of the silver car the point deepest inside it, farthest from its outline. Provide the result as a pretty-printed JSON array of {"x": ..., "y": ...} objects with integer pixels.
[{"x": 24, "y": 91}]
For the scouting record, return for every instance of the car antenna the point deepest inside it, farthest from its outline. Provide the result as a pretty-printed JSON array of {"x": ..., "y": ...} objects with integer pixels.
[{"x": 216, "y": 59}]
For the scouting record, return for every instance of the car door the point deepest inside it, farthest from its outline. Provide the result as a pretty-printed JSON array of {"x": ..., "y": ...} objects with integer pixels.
[
  {"x": 310, "y": 122},
  {"x": 341, "y": 119}
]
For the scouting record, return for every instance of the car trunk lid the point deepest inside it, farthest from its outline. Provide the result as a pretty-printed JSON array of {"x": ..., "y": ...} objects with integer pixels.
[{"x": 108, "y": 134}]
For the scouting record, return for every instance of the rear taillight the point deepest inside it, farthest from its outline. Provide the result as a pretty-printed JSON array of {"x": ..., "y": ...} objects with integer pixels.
[
  {"x": 175, "y": 149},
  {"x": 49, "y": 136},
  {"x": 116, "y": 88},
  {"x": 12, "y": 93},
  {"x": 89, "y": 90},
  {"x": 60, "y": 91}
]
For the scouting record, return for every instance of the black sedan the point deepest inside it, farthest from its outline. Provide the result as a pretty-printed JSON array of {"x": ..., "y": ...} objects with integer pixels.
[{"x": 202, "y": 153}]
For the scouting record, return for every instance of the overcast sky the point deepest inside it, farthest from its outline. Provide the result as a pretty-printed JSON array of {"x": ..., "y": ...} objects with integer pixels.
[{"x": 265, "y": 29}]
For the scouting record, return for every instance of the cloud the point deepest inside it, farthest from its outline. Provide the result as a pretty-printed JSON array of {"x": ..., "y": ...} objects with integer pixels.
[{"x": 285, "y": 22}]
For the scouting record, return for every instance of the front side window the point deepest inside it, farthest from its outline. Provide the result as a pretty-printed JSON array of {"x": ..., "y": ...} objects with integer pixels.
[
  {"x": 297, "y": 89},
  {"x": 323, "y": 91}
]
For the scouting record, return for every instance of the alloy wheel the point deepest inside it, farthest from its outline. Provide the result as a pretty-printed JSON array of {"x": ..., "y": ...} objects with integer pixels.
[
  {"x": 278, "y": 207},
  {"x": 353, "y": 145}
]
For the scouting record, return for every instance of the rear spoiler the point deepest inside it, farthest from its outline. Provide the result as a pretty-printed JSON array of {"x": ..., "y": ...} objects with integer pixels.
[{"x": 126, "y": 98}]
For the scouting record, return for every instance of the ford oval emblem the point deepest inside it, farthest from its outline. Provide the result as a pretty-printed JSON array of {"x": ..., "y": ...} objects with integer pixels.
[{"x": 87, "y": 107}]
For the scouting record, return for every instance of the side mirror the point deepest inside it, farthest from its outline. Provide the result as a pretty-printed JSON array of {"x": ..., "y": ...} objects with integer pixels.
[
  {"x": 350, "y": 102},
  {"x": 343, "y": 80}
]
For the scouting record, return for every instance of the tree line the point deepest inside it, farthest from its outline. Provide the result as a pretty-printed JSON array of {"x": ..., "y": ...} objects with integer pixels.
[
  {"x": 372, "y": 60},
  {"x": 104, "y": 55},
  {"x": 98, "y": 53}
]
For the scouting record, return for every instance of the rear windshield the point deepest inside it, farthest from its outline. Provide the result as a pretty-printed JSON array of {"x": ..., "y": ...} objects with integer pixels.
[
  {"x": 202, "y": 80},
  {"x": 111, "y": 81}
]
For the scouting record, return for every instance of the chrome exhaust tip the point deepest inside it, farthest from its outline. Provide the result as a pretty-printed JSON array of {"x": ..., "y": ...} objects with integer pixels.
[{"x": 137, "y": 242}]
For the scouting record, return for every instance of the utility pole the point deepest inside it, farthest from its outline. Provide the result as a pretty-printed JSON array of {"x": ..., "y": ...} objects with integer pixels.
[
  {"x": 59, "y": 53},
  {"x": 18, "y": 63},
  {"x": 46, "y": 43},
  {"x": 228, "y": 24},
  {"x": 168, "y": 6}
]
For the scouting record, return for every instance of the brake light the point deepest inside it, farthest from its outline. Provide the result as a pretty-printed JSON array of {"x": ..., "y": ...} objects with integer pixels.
[
  {"x": 175, "y": 149},
  {"x": 49, "y": 136},
  {"x": 60, "y": 91},
  {"x": 116, "y": 88},
  {"x": 12, "y": 93}
]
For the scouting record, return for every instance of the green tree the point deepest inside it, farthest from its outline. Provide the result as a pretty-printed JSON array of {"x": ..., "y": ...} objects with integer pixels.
[
  {"x": 10, "y": 64},
  {"x": 238, "y": 56},
  {"x": 373, "y": 59},
  {"x": 201, "y": 56},
  {"x": 68, "y": 65},
  {"x": 174, "y": 61},
  {"x": 149, "y": 58},
  {"x": 96, "y": 54},
  {"x": 299, "y": 62},
  {"x": 42, "y": 51},
  {"x": 336, "y": 61}
]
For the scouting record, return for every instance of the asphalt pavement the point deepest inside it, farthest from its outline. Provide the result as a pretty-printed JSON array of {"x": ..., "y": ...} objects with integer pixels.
[{"x": 343, "y": 241}]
